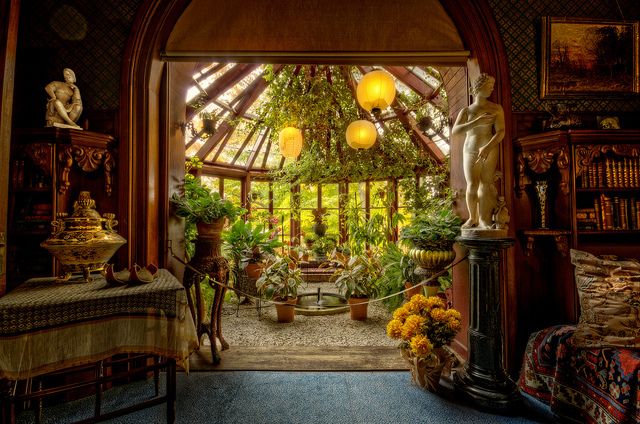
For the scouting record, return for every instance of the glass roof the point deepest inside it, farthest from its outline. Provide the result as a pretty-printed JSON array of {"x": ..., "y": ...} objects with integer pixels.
[{"x": 230, "y": 106}]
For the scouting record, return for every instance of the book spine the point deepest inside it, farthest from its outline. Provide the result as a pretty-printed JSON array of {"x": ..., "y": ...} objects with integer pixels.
[
  {"x": 597, "y": 206},
  {"x": 633, "y": 211}
]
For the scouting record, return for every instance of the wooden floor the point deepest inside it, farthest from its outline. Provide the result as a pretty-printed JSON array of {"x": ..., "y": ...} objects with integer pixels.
[{"x": 301, "y": 358}]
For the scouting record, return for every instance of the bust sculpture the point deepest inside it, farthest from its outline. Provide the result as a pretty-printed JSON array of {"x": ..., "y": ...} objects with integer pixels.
[
  {"x": 483, "y": 124},
  {"x": 65, "y": 104}
]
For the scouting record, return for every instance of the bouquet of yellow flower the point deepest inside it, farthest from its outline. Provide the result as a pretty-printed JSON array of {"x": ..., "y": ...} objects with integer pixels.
[{"x": 423, "y": 324}]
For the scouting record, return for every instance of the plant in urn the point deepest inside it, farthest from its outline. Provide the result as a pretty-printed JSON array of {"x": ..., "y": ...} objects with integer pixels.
[{"x": 85, "y": 241}]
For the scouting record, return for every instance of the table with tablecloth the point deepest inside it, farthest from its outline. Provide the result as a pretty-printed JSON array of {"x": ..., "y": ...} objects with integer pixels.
[{"x": 47, "y": 325}]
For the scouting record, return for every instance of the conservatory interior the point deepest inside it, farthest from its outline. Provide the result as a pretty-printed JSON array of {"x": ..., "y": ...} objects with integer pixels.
[{"x": 443, "y": 190}]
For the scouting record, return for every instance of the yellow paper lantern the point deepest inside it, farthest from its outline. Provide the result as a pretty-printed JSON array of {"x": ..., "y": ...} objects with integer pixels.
[
  {"x": 361, "y": 134},
  {"x": 376, "y": 91},
  {"x": 290, "y": 142}
]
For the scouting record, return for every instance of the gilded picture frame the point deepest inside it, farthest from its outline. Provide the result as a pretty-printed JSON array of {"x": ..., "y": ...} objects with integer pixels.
[{"x": 588, "y": 58}]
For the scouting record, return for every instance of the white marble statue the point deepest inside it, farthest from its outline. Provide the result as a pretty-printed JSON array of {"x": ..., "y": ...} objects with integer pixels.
[
  {"x": 64, "y": 105},
  {"x": 483, "y": 124}
]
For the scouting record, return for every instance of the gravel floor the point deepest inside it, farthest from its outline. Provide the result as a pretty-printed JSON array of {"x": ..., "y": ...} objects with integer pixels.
[{"x": 250, "y": 329}]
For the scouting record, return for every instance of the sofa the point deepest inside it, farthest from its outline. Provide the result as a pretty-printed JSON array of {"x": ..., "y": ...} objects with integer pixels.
[{"x": 589, "y": 372}]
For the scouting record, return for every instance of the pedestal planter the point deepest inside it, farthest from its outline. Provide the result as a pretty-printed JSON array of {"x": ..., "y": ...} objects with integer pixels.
[
  {"x": 358, "y": 308},
  {"x": 208, "y": 260}
]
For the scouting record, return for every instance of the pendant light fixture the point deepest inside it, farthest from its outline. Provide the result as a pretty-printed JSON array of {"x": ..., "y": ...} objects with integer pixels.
[
  {"x": 361, "y": 134},
  {"x": 376, "y": 91},
  {"x": 290, "y": 140}
]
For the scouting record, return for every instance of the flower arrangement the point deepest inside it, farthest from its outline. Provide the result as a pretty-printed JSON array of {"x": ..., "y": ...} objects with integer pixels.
[{"x": 423, "y": 324}]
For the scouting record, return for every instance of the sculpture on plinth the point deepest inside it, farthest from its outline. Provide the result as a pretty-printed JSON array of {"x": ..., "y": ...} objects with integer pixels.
[
  {"x": 483, "y": 124},
  {"x": 65, "y": 104}
]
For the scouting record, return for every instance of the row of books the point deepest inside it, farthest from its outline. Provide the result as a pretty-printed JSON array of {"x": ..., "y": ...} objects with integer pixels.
[
  {"x": 610, "y": 213},
  {"x": 611, "y": 173}
]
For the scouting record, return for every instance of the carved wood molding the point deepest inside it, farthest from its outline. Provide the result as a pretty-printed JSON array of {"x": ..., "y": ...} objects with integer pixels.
[
  {"x": 540, "y": 161},
  {"x": 40, "y": 154},
  {"x": 560, "y": 237},
  {"x": 587, "y": 153},
  {"x": 88, "y": 159}
]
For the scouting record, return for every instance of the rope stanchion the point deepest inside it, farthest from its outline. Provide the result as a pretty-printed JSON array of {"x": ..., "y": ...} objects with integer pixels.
[{"x": 379, "y": 299}]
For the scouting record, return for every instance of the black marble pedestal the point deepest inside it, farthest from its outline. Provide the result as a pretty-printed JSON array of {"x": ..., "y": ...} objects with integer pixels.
[{"x": 483, "y": 381}]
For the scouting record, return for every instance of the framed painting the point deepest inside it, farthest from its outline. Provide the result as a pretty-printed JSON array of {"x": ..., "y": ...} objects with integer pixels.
[{"x": 584, "y": 58}]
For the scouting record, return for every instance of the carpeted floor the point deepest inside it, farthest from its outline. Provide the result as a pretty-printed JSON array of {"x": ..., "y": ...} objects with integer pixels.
[{"x": 288, "y": 398}]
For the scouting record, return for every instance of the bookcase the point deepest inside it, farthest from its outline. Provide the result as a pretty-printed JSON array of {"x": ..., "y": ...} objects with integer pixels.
[
  {"x": 574, "y": 189},
  {"x": 49, "y": 167}
]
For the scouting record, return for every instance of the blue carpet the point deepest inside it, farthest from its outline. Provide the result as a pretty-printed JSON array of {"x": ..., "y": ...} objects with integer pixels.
[{"x": 263, "y": 397}]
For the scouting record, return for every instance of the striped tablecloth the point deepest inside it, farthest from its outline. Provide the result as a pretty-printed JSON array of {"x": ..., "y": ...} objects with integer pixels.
[{"x": 47, "y": 325}]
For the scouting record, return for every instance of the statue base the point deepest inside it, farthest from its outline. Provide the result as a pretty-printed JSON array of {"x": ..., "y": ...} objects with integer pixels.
[
  {"x": 484, "y": 233},
  {"x": 74, "y": 127}
]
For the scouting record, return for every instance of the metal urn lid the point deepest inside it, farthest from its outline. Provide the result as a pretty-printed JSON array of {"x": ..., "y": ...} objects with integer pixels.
[{"x": 84, "y": 241}]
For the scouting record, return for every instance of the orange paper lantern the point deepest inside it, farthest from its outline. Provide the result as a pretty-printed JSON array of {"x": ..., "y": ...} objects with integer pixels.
[
  {"x": 290, "y": 142},
  {"x": 361, "y": 134}
]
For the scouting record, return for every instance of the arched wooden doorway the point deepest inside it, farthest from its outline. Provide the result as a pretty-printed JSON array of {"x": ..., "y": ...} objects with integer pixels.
[{"x": 146, "y": 126}]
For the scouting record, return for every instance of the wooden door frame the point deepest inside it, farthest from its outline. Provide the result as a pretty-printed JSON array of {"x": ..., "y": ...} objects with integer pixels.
[
  {"x": 143, "y": 205},
  {"x": 9, "y": 18}
]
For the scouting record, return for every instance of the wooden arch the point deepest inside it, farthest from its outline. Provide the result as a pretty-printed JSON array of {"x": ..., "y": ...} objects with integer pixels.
[{"x": 144, "y": 184}]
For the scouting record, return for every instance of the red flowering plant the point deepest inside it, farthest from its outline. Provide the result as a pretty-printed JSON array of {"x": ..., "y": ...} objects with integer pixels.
[{"x": 422, "y": 325}]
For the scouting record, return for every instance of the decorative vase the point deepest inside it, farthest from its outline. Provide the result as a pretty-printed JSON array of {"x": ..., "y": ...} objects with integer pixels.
[
  {"x": 85, "y": 241},
  {"x": 542, "y": 190},
  {"x": 285, "y": 309},
  {"x": 431, "y": 262},
  {"x": 358, "y": 308},
  {"x": 320, "y": 229},
  {"x": 426, "y": 372}
]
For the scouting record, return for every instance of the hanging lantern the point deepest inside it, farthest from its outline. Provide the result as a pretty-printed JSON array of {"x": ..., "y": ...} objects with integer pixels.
[
  {"x": 361, "y": 134},
  {"x": 376, "y": 91},
  {"x": 290, "y": 142}
]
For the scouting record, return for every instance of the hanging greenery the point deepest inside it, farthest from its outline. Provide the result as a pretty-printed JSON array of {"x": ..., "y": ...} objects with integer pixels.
[{"x": 319, "y": 101}]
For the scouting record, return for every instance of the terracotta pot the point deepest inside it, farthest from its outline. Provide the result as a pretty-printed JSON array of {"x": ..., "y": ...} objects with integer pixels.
[
  {"x": 431, "y": 290},
  {"x": 253, "y": 270},
  {"x": 358, "y": 308},
  {"x": 212, "y": 229},
  {"x": 286, "y": 311},
  {"x": 412, "y": 290}
]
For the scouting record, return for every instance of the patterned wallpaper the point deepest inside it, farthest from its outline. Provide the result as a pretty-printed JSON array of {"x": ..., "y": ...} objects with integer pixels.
[
  {"x": 86, "y": 36},
  {"x": 519, "y": 24},
  {"x": 89, "y": 37}
]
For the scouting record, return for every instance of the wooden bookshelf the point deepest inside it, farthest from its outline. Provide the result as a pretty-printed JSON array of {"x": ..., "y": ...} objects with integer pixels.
[{"x": 592, "y": 203}]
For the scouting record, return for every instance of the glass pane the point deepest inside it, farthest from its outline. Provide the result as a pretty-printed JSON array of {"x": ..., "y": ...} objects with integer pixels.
[
  {"x": 281, "y": 196},
  {"x": 330, "y": 196},
  {"x": 212, "y": 182},
  {"x": 378, "y": 193},
  {"x": 306, "y": 221},
  {"x": 333, "y": 230},
  {"x": 232, "y": 190},
  {"x": 259, "y": 195},
  {"x": 308, "y": 196}
]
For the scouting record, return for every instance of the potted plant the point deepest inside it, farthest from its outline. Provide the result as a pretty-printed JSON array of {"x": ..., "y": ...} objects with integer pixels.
[
  {"x": 198, "y": 204},
  {"x": 249, "y": 244},
  {"x": 357, "y": 280},
  {"x": 431, "y": 235},
  {"x": 319, "y": 224},
  {"x": 322, "y": 246},
  {"x": 280, "y": 282},
  {"x": 398, "y": 274},
  {"x": 425, "y": 327}
]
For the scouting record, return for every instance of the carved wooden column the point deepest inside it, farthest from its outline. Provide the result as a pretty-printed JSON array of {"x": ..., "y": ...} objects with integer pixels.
[{"x": 484, "y": 382}]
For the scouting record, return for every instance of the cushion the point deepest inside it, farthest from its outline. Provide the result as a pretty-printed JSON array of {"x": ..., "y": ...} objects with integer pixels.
[{"x": 609, "y": 292}]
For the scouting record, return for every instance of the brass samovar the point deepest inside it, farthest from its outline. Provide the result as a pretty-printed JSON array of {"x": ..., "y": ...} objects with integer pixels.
[{"x": 84, "y": 241}]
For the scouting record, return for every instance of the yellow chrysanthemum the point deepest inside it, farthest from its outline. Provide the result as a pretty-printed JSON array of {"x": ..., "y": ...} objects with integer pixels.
[
  {"x": 394, "y": 329},
  {"x": 420, "y": 345},
  {"x": 401, "y": 314},
  {"x": 452, "y": 313},
  {"x": 434, "y": 302},
  {"x": 418, "y": 302},
  {"x": 412, "y": 326},
  {"x": 439, "y": 314},
  {"x": 454, "y": 324}
]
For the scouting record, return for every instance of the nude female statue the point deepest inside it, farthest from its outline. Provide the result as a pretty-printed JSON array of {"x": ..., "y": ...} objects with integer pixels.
[
  {"x": 483, "y": 124},
  {"x": 65, "y": 105}
]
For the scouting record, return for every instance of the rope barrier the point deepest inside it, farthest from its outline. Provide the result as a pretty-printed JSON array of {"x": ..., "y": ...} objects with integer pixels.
[{"x": 250, "y": 296}]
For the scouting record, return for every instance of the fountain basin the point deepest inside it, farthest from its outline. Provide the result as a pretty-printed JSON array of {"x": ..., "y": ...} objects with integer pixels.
[{"x": 321, "y": 304}]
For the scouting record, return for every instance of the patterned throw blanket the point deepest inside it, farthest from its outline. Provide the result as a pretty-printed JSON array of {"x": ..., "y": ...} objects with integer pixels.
[{"x": 581, "y": 385}]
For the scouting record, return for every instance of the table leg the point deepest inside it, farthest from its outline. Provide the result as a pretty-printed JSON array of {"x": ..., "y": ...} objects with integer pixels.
[{"x": 171, "y": 391}]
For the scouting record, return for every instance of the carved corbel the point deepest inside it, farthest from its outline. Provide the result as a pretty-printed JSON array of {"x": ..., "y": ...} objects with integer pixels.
[{"x": 88, "y": 159}]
